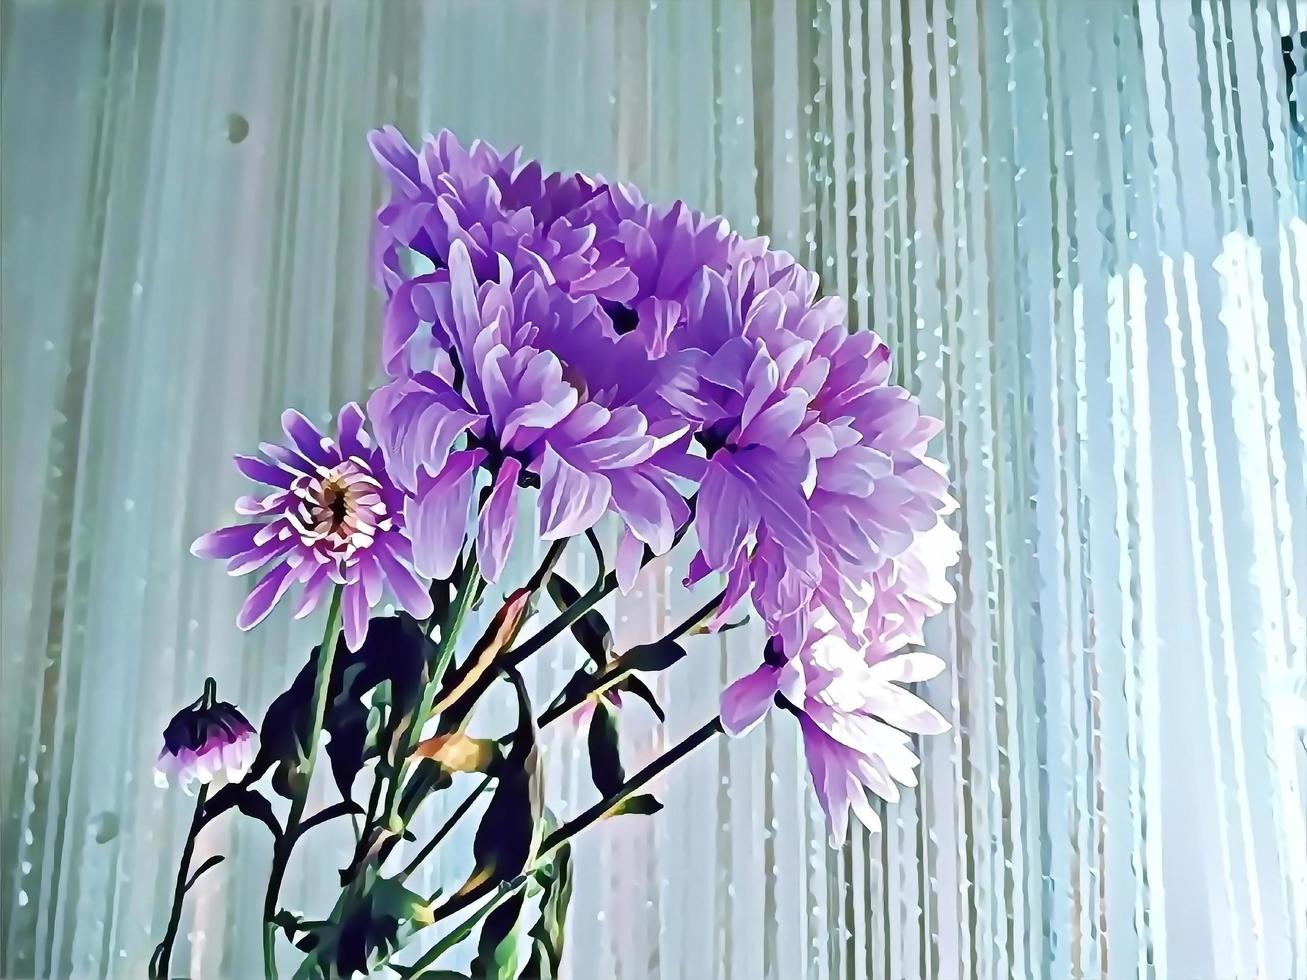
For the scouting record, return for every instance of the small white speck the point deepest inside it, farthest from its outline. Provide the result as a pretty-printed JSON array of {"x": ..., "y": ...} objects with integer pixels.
[
  {"x": 22, "y": 897},
  {"x": 129, "y": 505}
]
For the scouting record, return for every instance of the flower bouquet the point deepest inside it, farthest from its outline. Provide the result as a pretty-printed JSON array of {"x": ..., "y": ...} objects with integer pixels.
[{"x": 554, "y": 344}]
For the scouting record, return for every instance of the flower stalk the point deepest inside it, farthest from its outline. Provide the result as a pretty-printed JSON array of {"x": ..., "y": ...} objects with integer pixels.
[
  {"x": 501, "y": 890},
  {"x": 162, "y": 957},
  {"x": 286, "y": 842}
]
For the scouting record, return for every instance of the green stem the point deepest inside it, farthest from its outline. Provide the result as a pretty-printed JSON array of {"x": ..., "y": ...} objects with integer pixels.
[
  {"x": 449, "y": 631},
  {"x": 461, "y": 900},
  {"x": 163, "y": 952},
  {"x": 285, "y": 844},
  {"x": 609, "y": 677},
  {"x": 448, "y": 825}
]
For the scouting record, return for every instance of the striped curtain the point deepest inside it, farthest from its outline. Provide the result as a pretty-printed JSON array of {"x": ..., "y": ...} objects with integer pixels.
[{"x": 1079, "y": 223}]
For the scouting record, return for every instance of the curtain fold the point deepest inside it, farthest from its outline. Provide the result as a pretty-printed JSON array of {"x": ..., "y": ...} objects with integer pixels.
[{"x": 1080, "y": 224}]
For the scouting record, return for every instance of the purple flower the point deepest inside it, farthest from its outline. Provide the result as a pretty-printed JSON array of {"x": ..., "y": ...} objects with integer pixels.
[
  {"x": 204, "y": 741},
  {"x": 532, "y": 385},
  {"x": 498, "y": 207},
  {"x": 853, "y": 715},
  {"x": 816, "y": 479},
  {"x": 333, "y": 517}
]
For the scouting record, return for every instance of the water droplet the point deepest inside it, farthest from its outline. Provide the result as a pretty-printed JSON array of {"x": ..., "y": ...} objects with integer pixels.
[
  {"x": 238, "y": 127},
  {"x": 105, "y": 826}
]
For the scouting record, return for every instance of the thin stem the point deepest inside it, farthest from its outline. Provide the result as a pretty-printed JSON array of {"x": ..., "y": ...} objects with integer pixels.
[
  {"x": 163, "y": 952},
  {"x": 607, "y": 678},
  {"x": 449, "y": 631},
  {"x": 286, "y": 843},
  {"x": 448, "y": 825},
  {"x": 461, "y": 900},
  {"x": 583, "y": 605},
  {"x": 665, "y": 761},
  {"x": 456, "y": 936}
]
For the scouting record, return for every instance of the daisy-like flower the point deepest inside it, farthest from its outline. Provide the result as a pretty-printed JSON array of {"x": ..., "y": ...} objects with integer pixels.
[
  {"x": 206, "y": 740},
  {"x": 522, "y": 381},
  {"x": 333, "y": 517},
  {"x": 854, "y": 716}
]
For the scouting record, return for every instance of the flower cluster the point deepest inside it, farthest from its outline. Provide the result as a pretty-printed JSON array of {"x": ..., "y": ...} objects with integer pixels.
[{"x": 555, "y": 338}]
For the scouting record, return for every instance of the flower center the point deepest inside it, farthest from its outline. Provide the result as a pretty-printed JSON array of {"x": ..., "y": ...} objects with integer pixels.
[{"x": 340, "y": 510}]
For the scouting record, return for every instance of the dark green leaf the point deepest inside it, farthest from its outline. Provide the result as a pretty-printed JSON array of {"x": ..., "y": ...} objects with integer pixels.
[
  {"x": 591, "y": 630},
  {"x": 392, "y": 659},
  {"x": 642, "y": 803},
  {"x": 605, "y": 754},
  {"x": 641, "y": 690},
  {"x": 212, "y": 862},
  {"x": 549, "y": 932},
  {"x": 373, "y": 927},
  {"x": 658, "y": 655},
  {"x": 509, "y": 835},
  {"x": 497, "y": 948},
  {"x": 250, "y": 802},
  {"x": 342, "y": 809}
]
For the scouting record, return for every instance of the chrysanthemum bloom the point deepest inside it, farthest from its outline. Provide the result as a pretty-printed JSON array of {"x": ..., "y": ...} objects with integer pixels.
[
  {"x": 816, "y": 479},
  {"x": 205, "y": 741},
  {"x": 333, "y": 518},
  {"x": 854, "y": 717},
  {"x": 522, "y": 381},
  {"x": 497, "y": 206}
]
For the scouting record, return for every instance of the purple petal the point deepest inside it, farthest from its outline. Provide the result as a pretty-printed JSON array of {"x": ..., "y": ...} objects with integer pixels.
[
  {"x": 354, "y": 441},
  {"x": 308, "y": 440},
  {"x": 571, "y": 501},
  {"x": 409, "y": 590},
  {"x": 630, "y": 558},
  {"x": 314, "y": 589},
  {"x": 260, "y": 555},
  {"x": 495, "y": 532},
  {"x": 264, "y": 596},
  {"x": 437, "y": 516},
  {"x": 261, "y": 471},
  {"x": 725, "y": 517},
  {"x": 354, "y": 608},
  {"x": 226, "y": 542},
  {"x": 745, "y": 702}
]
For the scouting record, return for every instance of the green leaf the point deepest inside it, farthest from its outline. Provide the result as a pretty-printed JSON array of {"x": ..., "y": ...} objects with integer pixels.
[
  {"x": 392, "y": 659},
  {"x": 508, "y": 837},
  {"x": 605, "y": 754},
  {"x": 641, "y": 803},
  {"x": 641, "y": 690},
  {"x": 381, "y": 921},
  {"x": 549, "y": 932},
  {"x": 497, "y": 948},
  {"x": 212, "y": 862},
  {"x": 591, "y": 630},
  {"x": 249, "y": 801},
  {"x": 650, "y": 657}
]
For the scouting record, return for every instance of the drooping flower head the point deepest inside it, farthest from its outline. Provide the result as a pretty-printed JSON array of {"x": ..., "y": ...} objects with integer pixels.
[
  {"x": 206, "y": 740},
  {"x": 333, "y": 517},
  {"x": 854, "y": 717},
  {"x": 531, "y": 386}
]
